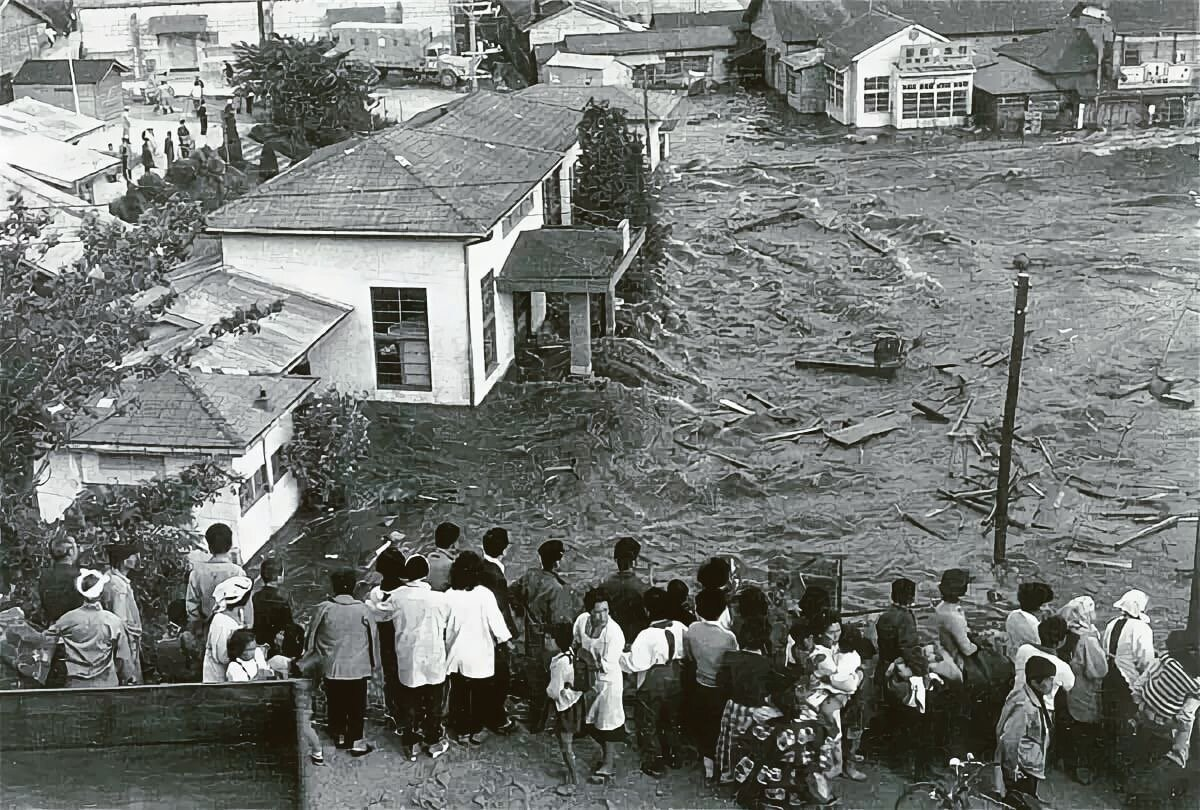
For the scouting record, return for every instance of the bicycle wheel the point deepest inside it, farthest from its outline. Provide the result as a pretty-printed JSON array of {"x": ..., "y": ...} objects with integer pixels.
[{"x": 924, "y": 796}]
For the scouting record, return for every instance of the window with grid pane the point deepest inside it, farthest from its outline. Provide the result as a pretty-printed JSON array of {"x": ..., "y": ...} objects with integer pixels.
[
  {"x": 253, "y": 488},
  {"x": 487, "y": 294},
  {"x": 400, "y": 323},
  {"x": 877, "y": 94}
]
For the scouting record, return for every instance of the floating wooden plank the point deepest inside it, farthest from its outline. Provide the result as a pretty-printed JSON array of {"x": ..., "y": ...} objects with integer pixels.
[
  {"x": 930, "y": 412},
  {"x": 995, "y": 361},
  {"x": 815, "y": 427},
  {"x": 872, "y": 426},
  {"x": 962, "y": 415},
  {"x": 907, "y": 518},
  {"x": 731, "y": 460},
  {"x": 1162, "y": 525},
  {"x": 1091, "y": 558},
  {"x": 760, "y": 400},
  {"x": 735, "y": 407},
  {"x": 863, "y": 367}
]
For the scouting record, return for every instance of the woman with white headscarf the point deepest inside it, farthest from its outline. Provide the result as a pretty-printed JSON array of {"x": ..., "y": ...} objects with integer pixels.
[
  {"x": 1129, "y": 647},
  {"x": 230, "y": 596},
  {"x": 1082, "y": 650}
]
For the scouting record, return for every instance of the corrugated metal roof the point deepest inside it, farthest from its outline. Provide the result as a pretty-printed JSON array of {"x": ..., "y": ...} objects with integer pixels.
[
  {"x": 57, "y": 163},
  {"x": 663, "y": 106},
  {"x": 681, "y": 39},
  {"x": 34, "y": 117},
  {"x": 191, "y": 410},
  {"x": 730, "y": 19},
  {"x": 58, "y": 71}
]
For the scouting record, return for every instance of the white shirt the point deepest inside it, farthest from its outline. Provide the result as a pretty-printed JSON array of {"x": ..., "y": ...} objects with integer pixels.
[
  {"x": 1064, "y": 678},
  {"x": 216, "y": 651},
  {"x": 562, "y": 678},
  {"x": 650, "y": 649},
  {"x": 240, "y": 671},
  {"x": 421, "y": 618},
  {"x": 475, "y": 627},
  {"x": 1135, "y": 650},
  {"x": 495, "y": 561}
]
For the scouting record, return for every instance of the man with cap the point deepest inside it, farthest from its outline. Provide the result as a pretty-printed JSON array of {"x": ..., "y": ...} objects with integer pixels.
[
  {"x": 119, "y": 599},
  {"x": 95, "y": 640},
  {"x": 420, "y": 615},
  {"x": 441, "y": 557},
  {"x": 625, "y": 590},
  {"x": 542, "y": 600},
  {"x": 207, "y": 574},
  {"x": 1023, "y": 733}
]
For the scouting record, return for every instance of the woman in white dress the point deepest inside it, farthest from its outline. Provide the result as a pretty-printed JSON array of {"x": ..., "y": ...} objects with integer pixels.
[
  {"x": 230, "y": 595},
  {"x": 602, "y": 638},
  {"x": 473, "y": 630}
]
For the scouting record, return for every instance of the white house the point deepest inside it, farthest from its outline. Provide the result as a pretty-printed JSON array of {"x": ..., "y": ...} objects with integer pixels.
[
  {"x": 412, "y": 230},
  {"x": 578, "y": 17},
  {"x": 883, "y": 70},
  {"x": 584, "y": 70},
  {"x": 181, "y": 418}
]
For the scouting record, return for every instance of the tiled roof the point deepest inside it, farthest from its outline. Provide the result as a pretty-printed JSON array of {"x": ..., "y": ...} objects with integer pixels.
[
  {"x": 1005, "y": 76},
  {"x": 57, "y": 71},
  {"x": 804, "y": 20},
  {"x": 729, "y": 19},
  {"x": 403, "y": 180},
  {"x": 847, "y": 42},
  {"x": 505, "y": 118},
  {"x": 663, "y": 106},
  {"x": 961, "y": 17},
  {"x": 1063, "y": 50},
  {"x": 191, "y": 410},
  {"x": 680, "y": 39}
]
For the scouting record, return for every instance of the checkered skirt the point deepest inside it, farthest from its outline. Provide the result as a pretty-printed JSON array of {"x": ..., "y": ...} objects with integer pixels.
[{"x": 735, "y": 720}]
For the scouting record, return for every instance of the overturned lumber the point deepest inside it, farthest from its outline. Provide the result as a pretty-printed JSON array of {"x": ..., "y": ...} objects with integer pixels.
[
  {"x": 907, "y": 518},
  {"x": 760, "y": 400},
  {"x": 863, "y": 367},
  {"x": 816, "y": 427},
  {"x": 1162, "y": 525},
  {"x": 961, "y": 416},
  {"x": 735, "y": 407},
  {"x": 873, "y": 426},
  {"x": 930, "y": 412},
  {"x": 1080, "y": 557}
]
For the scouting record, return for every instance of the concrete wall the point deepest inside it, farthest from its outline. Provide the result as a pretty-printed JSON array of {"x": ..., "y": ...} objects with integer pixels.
[
  {"x": 70, "y": 470},
  {"x": 119, "y": 27},
  {"x": 573, "y": 22}
]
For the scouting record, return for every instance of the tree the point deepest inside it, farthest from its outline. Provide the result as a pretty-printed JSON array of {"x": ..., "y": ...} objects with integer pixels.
[
  {"x": 201, "y": 177},
  {"x": 315, "y": 94},
  {"x": 611, "y": 176},
  {"x": 62, "y": 337},
  {"x": 330, "y": 445}
]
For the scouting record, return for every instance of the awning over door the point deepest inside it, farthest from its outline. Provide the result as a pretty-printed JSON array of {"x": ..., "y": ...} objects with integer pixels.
[
  {"x": 177, "y": 24},
  {"x": 569, "y": 260}
]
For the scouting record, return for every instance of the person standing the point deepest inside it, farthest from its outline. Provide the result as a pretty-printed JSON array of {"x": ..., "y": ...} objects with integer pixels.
[
  {"x": 1023, "y": 733},
  {"x": 473, "y": 631},
  {"x": 542, "y": 601},
  {"x": 202, "y": 116},
  {"x": 445, "y": 537},
  {"x": 56, "y": 585},
  {"x": 655, "y": 659},
  {"x": 599, "y": 636},
  {"x": 625, "y": 589},
  {"x": 421, "y": 618},
  {"x": 166, "y": 98},
  {"x": 185, "y": 139},
  {"x": 1052, "y": 634},
  {"x": 382, "y": 605},
  {"x": 249, "y": 100},
  {"x": 126, "y": 155},
  {"x": 206, "y": 575},
  {"x": 272, "y": 606},
  {"x": 197, "y": 95},
  {"x": 147, "y": 153},
  {"x": 229, "y": 598},
  {"x": 178, "y": 655},
  {"x": 1129, "y": 644},
  {"x": 900, "y": 646},
  {"x": 1022, "y": 623},
  {"x": 229, "y": 133},
  {"x": 705, "y": 644},
  {"x": 126, "y": 124},
  {"x": 1085, "y": 654},
  {"x": 118, "y": 598},
  {"x": 342, "y": 634},
  {"x": 495, "y": 545},
  {"x": 747, "y": 678},
  {"x": 95, "y": 641},
  {"x": 169, "y": 149}
]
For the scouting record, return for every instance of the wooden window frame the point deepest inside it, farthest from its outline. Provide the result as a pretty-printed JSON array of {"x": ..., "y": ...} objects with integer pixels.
[{"x": 411, "y": 328}]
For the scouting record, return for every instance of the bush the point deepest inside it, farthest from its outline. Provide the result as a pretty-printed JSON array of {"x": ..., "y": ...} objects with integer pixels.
[{"x": 330, "y": 444}]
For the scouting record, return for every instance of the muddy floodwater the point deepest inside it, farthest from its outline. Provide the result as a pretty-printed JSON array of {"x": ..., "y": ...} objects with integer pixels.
[{"x": 1109, "y": 226}]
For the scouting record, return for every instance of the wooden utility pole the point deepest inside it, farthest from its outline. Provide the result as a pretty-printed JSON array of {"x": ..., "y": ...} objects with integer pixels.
[
  {"x": 262, "y": 23},
  {"x": 1010, "y": 417},
  {"x": 1194, "y": 602}
]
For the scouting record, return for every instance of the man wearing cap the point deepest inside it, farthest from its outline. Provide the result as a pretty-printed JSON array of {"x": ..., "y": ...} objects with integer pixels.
[
  {"x": 119, "y": 599},
  {"x": 625, "y": 590},
  {"x": 206, "y": 575},
  {"x": 541, "y": 600},
  {"x": 1023, "y": 733},
  {"x": 94, "y": 639}
]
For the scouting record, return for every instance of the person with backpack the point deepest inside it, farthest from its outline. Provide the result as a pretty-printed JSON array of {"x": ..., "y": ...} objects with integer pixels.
[
  {"x": 655, "y": 659},
  {"x": 599, "y": 643}
]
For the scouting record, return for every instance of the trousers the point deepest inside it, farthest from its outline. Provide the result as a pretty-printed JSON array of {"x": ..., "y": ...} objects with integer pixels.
[
  {"x": 657, "y": 710},
  {"x": 423, "y": 713},
  {"x": 346, "y": 705}
]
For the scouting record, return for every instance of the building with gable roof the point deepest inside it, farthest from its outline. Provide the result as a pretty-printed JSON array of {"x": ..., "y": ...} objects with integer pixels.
[
  {"x": 884, "y": 70},
  {"x": 97, "y": 82},
  {"x": 413, "y": 229},
  {"x": 162, "y": 425}
]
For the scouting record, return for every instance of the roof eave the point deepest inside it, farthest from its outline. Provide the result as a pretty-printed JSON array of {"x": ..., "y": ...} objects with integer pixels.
[
  {"x": 217, "y": 229},
  {"x": 153, "y": 449},
  {"x": 292, "y": 403}
]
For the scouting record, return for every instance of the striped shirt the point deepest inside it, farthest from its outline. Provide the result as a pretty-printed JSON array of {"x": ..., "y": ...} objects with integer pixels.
[{"x": 1166, "y": 687}]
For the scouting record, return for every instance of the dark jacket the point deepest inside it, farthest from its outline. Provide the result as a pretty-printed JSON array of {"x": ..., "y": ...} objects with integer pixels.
[
  {"x": 56, "y": 589},
  {"x": 748, "y": 678},
  {"x": 896, "y": 634},
  {"x": 493, "y": 579},
  {"x": 625, "y": 590},
  {"x": 272, "y": 614}
]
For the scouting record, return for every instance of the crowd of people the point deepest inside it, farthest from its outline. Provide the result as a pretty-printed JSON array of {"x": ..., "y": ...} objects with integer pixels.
[{"x": 773, "y": 702}]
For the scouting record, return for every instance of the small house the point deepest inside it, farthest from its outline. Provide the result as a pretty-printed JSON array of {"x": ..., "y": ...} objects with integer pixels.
[
  {"x": 883, "y": 70},
  {"x": 96, "y": 83},
  {"x": 791, "y": 27},
  {"x": 1006, "y": 91},
  {"x": 163, "y": 425},
  {"x": 581, "y": 69},
  {"x": 530, "y": 30},
  {"x": 413, "y": 230},
  {"x": 70, "y": 168},
  {"x": 673, "y": 58}
]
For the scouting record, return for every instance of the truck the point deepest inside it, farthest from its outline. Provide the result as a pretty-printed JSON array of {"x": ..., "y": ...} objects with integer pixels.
[{"x": 408, "y": 50}]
